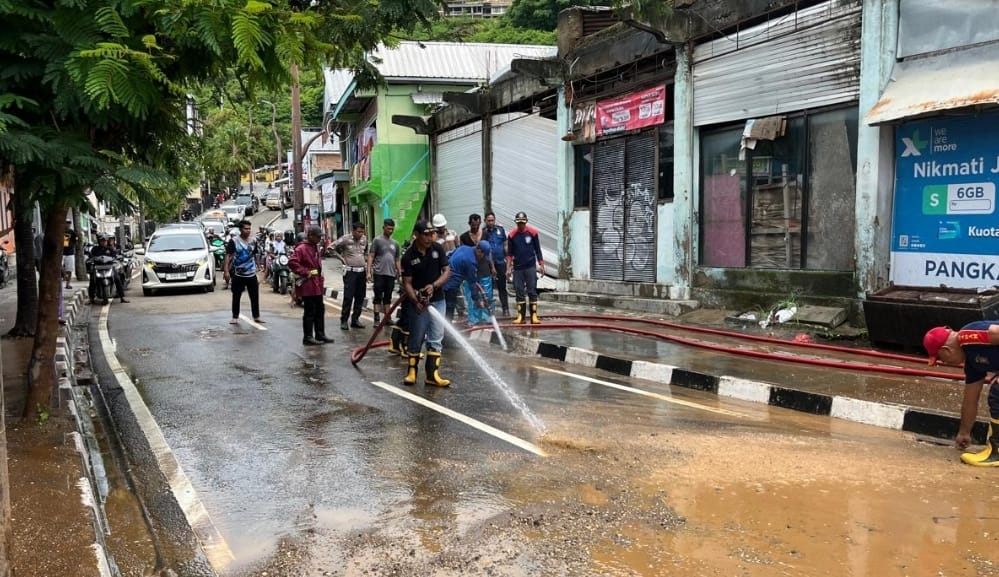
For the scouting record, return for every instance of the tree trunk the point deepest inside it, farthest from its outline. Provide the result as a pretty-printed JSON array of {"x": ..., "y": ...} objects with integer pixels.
[
  {"x": 81, "y": 259},
  {"x": 27, "y": 283},
  {"x": 41, "y": 365}
]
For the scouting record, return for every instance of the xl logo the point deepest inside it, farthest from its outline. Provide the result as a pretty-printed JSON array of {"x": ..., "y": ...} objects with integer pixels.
[{"x": 913, "y": 145}]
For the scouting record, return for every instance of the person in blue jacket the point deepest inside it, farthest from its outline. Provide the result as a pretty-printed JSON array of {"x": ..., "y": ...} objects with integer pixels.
[{"x": 465, "y": 262}]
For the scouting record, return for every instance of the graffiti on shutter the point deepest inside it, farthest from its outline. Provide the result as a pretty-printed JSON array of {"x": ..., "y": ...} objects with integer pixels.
[
  {"x": 607, "y": 213},
  {"x": 640, "y": 208}
]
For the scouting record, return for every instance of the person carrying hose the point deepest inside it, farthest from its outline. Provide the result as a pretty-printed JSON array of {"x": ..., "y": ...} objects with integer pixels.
[
  {"x": 425, "y": 271},
  {"x": 466, "y": 265},
  {"x": 977, "y": 346}
]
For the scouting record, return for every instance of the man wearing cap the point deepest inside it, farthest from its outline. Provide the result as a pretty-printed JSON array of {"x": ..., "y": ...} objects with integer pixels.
[
  {"x": 352, "y": 249},
  {"x": 425, "y": 271},
  {"x": 526, "y": 260},
  {"x": 977, "y": 346},
  {"x": 467, "y": 266}
]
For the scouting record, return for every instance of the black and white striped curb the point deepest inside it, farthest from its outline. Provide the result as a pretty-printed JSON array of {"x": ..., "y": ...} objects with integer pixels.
[{"x": 887, "y": 415}]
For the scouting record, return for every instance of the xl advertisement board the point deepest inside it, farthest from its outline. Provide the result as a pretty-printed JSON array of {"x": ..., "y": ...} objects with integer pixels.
[{"x": 945, "y": 229}]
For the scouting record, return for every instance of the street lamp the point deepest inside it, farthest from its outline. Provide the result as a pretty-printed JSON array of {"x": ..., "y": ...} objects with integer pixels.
[{"x": 277, "y": 137}]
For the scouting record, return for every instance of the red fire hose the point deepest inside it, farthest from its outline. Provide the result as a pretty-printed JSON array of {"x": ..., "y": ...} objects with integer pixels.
[{"x": 357, "y": 354}]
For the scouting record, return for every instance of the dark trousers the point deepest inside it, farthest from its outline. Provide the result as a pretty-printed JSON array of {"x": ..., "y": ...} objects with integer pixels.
[
  {"x": 239, "y": 283},
  {"x": 382, "y": 289},
  {"x": 500, "y": 285},
  {"x": 314, "y": 316},
  {"x": 354, "y": 285},
  {"x": 450, "y": 303},
  {"x": 525, "y": 283}
]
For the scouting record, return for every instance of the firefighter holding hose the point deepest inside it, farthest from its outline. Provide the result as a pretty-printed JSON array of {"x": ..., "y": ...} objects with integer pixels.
[
  {"x": 977, "y": 346},
  {"x": 425, "y": 271}
]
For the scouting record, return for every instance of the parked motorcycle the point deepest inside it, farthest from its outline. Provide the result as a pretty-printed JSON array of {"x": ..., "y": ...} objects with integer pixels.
[
  {"x": 218, "y": 251},
  {"x": 4, "y": 267},
  {"x": 280, "y": 274},
  {"x": 102, "y": 269},
  {"x": 125, "y": 264}
]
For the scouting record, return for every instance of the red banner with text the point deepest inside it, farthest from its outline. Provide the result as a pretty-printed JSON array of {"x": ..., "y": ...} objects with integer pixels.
[{"x": 631, "y": 112}]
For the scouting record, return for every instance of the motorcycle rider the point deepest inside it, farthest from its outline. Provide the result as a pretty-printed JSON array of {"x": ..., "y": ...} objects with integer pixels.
[{"x": 104, "y": 249}]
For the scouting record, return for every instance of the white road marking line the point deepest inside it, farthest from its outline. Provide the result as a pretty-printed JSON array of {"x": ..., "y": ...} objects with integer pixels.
[
  {"x": 690, "y": 404},
  {"x": 336, "y": 306},
  {"x": 517, "y": 442},
  {"x": 253, "y": 323},
  {"x": 214, "y": 544}
]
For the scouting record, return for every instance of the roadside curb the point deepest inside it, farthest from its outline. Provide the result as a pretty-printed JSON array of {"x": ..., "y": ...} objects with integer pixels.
[
  {"x": 93, "y": 485},
  {"x": 886, "y": 415}
]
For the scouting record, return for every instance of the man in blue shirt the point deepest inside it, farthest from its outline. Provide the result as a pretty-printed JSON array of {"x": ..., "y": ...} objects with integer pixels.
[
  {"x": 464, "y": 263},
  {"x": 977, "y": 346},
  {"x": 525, "y": 258},
  {"x": 495, "y": 234}
]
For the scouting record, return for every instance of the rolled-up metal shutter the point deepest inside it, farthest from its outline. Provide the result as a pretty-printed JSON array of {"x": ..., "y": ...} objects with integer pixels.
[
  {"x": 607, "y": 210},
  {"x": 805, "y": 59},
  {"x": 459, "y": 175},
  {"x": 640, "y": 193}
]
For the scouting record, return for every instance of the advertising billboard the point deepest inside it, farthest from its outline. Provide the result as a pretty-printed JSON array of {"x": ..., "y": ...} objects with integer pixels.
[
  {"x": 631, "y": 112},
  {"x": 945, "y": 230}
]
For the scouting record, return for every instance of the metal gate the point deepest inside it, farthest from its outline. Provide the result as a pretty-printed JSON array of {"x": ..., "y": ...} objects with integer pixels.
[
  {"x": 623, "y": 215},
  {"x": 459, "y": 175}
]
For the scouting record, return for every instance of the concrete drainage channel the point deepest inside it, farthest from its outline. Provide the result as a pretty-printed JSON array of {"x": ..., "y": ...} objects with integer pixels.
[{"x": 139, "y": 526}]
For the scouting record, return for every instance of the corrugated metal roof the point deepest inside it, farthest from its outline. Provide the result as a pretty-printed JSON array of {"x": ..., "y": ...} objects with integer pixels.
[
  {"x": 451, "y": 61},
  {"x": 337, "y": 82},
  {"x": 955, "y": 79},
  {"x": 428, "y": 97}
]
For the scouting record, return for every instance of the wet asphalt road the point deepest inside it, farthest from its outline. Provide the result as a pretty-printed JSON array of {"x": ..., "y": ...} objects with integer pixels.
[{"x": 307, "y": 468}]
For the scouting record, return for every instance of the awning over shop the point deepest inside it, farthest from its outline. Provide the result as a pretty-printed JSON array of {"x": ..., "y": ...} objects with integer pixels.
[
  {"x": 957, "y": 79},
  {"x": 332, "y": 177}
]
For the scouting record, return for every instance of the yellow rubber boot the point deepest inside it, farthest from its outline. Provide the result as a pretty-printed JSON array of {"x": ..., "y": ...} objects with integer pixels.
[
  {"x": 404, "y": 344},
  {"x": 535, "y": 320},
  {"x": 987, "y": 457},
  {"x": 521, "y": 313},
  {"x": 410, "y": 378},
  {"x": 395, "y": 344},
  {"x": 434, "y": 377}
]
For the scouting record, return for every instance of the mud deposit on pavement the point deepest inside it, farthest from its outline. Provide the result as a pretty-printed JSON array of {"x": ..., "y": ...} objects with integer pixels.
[{"x": 850, "y": 500}]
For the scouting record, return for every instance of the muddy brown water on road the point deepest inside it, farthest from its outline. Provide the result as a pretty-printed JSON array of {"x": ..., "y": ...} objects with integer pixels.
[{"x": 831, "y": 498}]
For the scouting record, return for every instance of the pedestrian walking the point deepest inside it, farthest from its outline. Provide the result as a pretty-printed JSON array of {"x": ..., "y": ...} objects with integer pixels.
[
  {"x": 383, "y": 268},
  {"x": 352, "y": 249},
  {"x": 976, "y": 346},
  {"x": 68, "y": 255},
  {"x": 239, "y": 270},
  {"x": 524, "y": 264},
  {"x": 425, "y": 271},
  {"x": 496, "y": 235},
  {"x": 467, "y": 264},
  {"x": 307, "y": 263}
]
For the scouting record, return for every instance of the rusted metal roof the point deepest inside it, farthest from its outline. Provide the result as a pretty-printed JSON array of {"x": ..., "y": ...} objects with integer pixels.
[{"x": 956, "y": 79}]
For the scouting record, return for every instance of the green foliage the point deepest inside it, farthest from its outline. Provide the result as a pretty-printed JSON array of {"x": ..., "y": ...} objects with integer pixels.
[
  {"x": 496, "y": 31},
  {"x": 542, "y": 14}
]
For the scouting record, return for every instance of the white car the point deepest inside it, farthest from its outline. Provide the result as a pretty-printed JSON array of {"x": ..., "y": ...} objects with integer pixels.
[
  {"x": 234, "y": 212},
  {"x": 177, "y": 257}
]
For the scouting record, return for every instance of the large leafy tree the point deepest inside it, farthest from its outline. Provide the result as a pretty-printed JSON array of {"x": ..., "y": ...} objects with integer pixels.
[{"x": 102, "y": 87}]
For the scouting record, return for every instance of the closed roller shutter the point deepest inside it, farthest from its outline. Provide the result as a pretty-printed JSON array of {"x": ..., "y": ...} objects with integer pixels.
[
  {"x": 640, "y": 208},
  {"x": 607, "y": 210},
  {"x": 806, "y": 59},
  {"x": 459, "y": 175},
  {"x": 525, "y": 151}
]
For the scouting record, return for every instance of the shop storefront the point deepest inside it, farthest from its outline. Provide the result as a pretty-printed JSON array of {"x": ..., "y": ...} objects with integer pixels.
[
  {"x": 623, "y": 163},
  {"x": 776, "y": 110}
]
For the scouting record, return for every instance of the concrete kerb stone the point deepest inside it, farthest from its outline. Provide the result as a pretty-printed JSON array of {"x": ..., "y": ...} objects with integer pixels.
[{"x": 886, "y": 415}]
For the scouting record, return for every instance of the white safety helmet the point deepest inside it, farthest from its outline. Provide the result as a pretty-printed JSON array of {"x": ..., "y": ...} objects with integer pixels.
[{"x": 439, "y": 221}]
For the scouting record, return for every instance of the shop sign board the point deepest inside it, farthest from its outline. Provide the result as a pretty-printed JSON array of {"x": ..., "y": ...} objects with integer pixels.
[
  {"x": 945, "y": 229},
  {"x": 584, "y": 116},
  {"x": 631, "y": 112}
]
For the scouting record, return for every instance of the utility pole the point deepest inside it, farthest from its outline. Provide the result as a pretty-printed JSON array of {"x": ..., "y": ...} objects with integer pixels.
[
  {"x": 296, "y": 148},
  {"x": 277, "y": 137}
]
